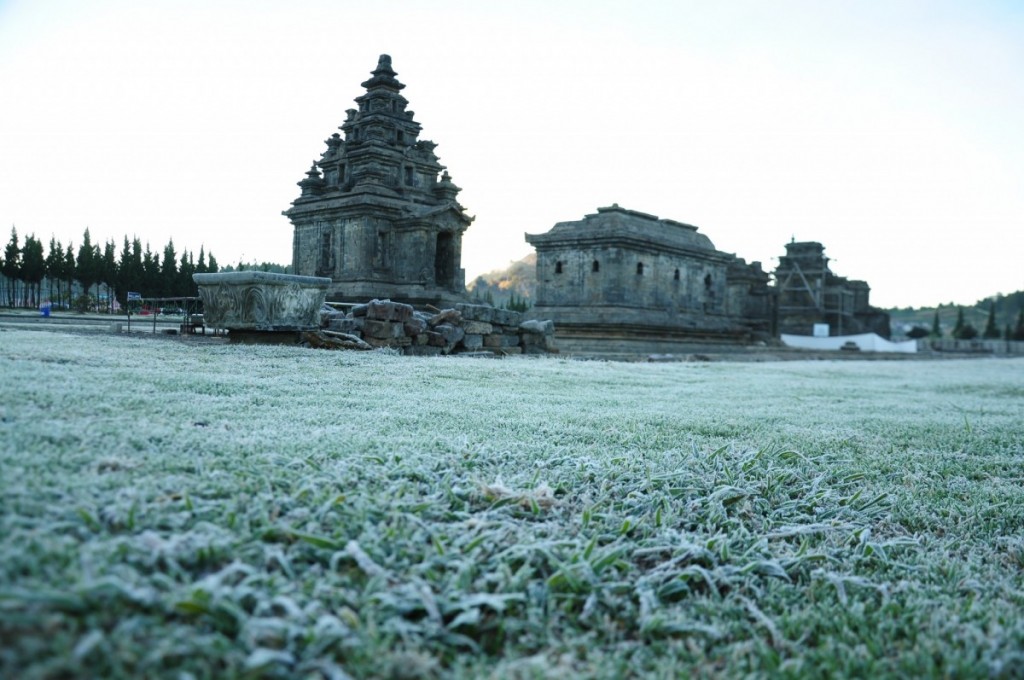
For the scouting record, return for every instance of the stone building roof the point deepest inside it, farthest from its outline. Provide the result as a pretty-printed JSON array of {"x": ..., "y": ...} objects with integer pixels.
[
  {"x": 614, "y": 225},
  {"x": 380, "y": 162}
]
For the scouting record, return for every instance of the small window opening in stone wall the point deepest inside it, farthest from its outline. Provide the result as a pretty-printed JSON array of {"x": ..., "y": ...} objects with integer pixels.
[
  {"x": 399, "y": 137},
  {"x": 639, "y": 268},
  {"x": 408, "y": 175},
  {"x": 675, "y": 277},
  {"x": 596, "y": 267},
  {"x": 558, "y": 267},
  {"x": 707, "y": 280}
]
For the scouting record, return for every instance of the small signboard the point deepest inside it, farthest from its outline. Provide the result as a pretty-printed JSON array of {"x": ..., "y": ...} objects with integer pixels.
[{"x": 820, "y": 330}]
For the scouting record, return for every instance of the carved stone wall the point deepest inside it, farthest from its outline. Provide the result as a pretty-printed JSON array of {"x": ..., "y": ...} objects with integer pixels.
[{"x": 261, "y": 301}]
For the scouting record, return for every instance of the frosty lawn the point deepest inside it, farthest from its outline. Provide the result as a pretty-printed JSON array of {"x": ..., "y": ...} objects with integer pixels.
[{"x": 174, "y": 507}]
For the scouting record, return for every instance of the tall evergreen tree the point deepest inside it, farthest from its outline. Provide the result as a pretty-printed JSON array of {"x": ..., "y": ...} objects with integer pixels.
[
  {"x": 936, "y": 326},
  {"x": 169, "y": 271},
  {"x": 150, "y": 274},
  {"x": 33, "y": 270},
  {"x": 108, "y": 271},
  {"x": 12, "y": 267},
  {"x": 1018, "y": 331},
  {"x": 54, "y": 266},
  {"x": 187, "y": 267},
  {"x": 963, "y": 330},
  {"x": 69, "y": 271},
  {"x": 87, "y": 266},
  {"x": 991, "y": 331}
]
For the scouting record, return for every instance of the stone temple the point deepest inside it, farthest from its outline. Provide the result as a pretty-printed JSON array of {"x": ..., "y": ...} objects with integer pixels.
[
  {"x": 810, "y": 293},
  {"x": 624, "y": 281},
  {"x": 378, "y": 213}
]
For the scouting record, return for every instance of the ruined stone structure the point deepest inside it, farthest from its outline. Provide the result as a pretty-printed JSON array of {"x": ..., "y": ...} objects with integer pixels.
[
  {"x": 625, "y": 281},
  {"x": 809, "y": 294},
  {"x": 373, "y": 215}
]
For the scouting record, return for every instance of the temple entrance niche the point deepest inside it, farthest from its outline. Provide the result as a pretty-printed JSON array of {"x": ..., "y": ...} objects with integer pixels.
[{"x": 444, "y": 259}]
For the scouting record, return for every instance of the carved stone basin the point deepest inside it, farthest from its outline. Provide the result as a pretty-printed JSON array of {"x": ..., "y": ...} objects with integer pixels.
[{"x": 261, "y": 301}]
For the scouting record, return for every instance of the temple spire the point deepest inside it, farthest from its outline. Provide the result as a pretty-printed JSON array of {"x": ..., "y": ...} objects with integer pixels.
[{"x": 383, "y": 75}]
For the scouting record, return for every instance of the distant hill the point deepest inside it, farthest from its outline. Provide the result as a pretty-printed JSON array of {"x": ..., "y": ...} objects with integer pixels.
[
  {"x": 515, "y": 283},
  {"x": 1008, "y": 307}
]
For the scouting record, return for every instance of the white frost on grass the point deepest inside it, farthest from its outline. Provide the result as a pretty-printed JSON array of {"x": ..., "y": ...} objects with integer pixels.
[{"x": 281, "y": 511}]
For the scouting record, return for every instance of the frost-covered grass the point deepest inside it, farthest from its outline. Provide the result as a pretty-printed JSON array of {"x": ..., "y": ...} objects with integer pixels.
[{"x": 176, "y": 508}]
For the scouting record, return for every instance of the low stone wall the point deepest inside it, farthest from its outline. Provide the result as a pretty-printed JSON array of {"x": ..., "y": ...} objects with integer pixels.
[
  {"x": 261, "y": 302},
  {"x": 465, "y": 328}
]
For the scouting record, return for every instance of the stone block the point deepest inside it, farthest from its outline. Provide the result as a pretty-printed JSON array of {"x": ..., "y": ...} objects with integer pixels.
[
  {"x": 451, "y": 334},
  {"x": 473, "y": 341},
  {"x": 388, "y": 342},
  {"x": 373, "y": 328},
  {"x": 511, "y": 350},
  {"x": 414, "y": 326},
  {"x": 449, "y": 316},
  {"x": 510, "y": 340},
  {"x": 483, "y": 313},
  {"x": 347, "y": 325},
  {"x": 386, "y": 310},
  {"x": 435, "y": 339},
  {"x": 542, "y": 342},
  {"x": 477, "y": 327},
  {"x": 494, "y": 340},
  {"x": 359, "y": 310},
  {"x": 538, "y": 327},
  {"x": 507, "y": 317}
]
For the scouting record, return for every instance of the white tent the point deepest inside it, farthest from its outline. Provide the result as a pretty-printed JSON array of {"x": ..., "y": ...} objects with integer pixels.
[{"x": 866, "y": 342}]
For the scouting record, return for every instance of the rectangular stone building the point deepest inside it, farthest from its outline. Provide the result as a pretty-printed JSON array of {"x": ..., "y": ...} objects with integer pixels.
[{"x": 625, "y": 281}]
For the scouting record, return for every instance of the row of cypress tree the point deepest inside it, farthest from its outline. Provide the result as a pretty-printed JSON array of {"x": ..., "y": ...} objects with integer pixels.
[{"x": 32, "y": 274}]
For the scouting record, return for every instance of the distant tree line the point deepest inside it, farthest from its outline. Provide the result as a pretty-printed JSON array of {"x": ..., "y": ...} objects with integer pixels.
[
  {"x": 91, "y": 275},
  {"x": 1000, "y": 317}
]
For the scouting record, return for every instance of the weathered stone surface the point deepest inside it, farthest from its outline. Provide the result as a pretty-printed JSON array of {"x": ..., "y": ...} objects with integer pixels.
[
  {"x": 507, "y": 317},
  {"x": 347, "y": 325},
  {"x": 382, "y": 329},
  {"x": 360, "y": 310},
  {"x": 261, "y": 301},
  {"x": 388, "y": 342},
  {"x": 477, "y": 327},
  {"x": 472, "y": 341},
  {"x": 450, "y": 316},
  {"x": 386, "y": 310},
  {"x": 476, "y": 312},
  {"x": 538, "y": 327},
  {"x": 494, "y": 340},
  {"x": 452, "y": 334},
  {"x": 332, "y": 340},
  {"x": 415, "y": 326}
]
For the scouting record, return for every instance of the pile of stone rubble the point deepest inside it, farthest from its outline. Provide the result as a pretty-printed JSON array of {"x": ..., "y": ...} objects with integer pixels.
[{"x": 465, "y": 329}]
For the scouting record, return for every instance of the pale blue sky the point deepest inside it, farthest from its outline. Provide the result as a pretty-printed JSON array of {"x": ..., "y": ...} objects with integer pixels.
[{"x": 889, "y": 131}]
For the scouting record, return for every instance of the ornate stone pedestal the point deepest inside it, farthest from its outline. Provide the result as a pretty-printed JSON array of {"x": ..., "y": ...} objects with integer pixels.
[{"x": 260, "y": 306}]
